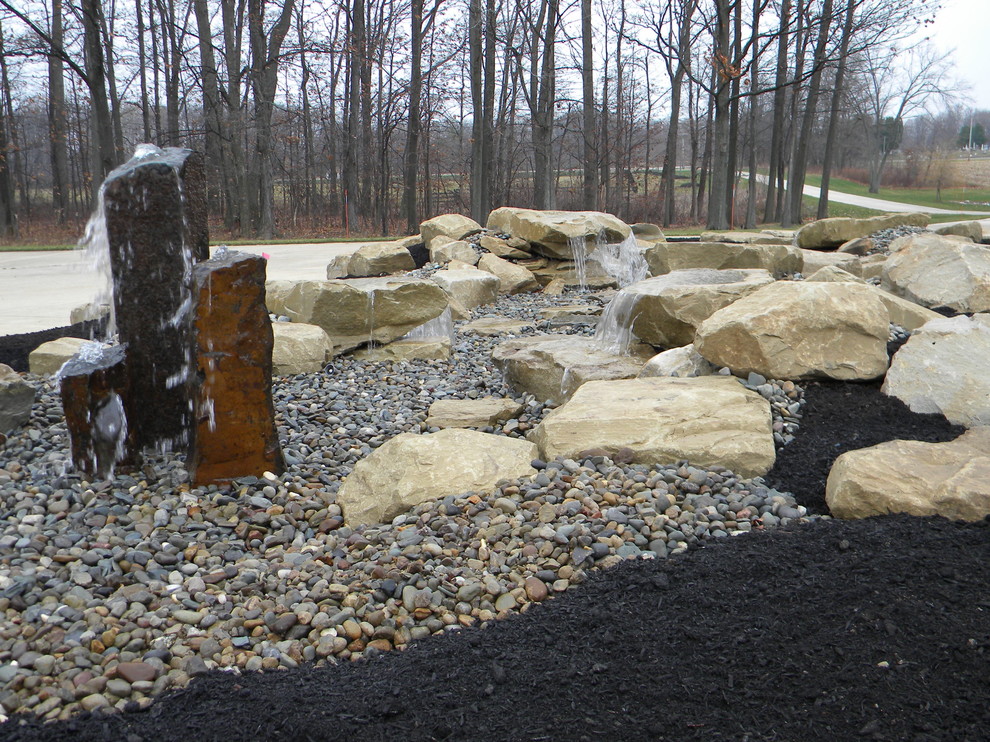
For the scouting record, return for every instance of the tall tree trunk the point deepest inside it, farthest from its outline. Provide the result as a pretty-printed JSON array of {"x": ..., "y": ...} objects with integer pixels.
[
  {"x": 476, "y": 54},
  {"x": 799, "y": 165},
  {"x": 107, "y": 32},
  {"x": 833, "y": 116},
  {"x": 590, "y": 164},
  {"x": 669, "y": 172},
  {"x": 102, "y": 151},
  {"x": 8, "y": 222},
  {"x": 736, "y": 64},
  {"x": 309, "y": 157},
  {"x": 243, "y": 201},
  {"x": 718, "y": 198},
  {"x": 142, "y": 77},
  {"x": 155, "y": 72},
  {"x": 488, "y": 124},
  {"x": 352, "y": 153},
  {"x": 211, "y": 101},
  {"x": 542, "y": 112},
  {"x": 264, "y": 76},
  {"x": 57, "y": 121},
  {"x": 770, "y": 213},
  {"x": 411, "y": 155},
  {"x": 754, "y": 77}
]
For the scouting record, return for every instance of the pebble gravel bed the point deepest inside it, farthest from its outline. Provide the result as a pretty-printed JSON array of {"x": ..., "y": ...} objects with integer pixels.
[{"x": 112, "y": 592}]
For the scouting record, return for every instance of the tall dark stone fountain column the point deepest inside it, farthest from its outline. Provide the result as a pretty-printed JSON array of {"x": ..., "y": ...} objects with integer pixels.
[
  {"x": 193, "y": 371},
  {"x": 156, "y": 225}
]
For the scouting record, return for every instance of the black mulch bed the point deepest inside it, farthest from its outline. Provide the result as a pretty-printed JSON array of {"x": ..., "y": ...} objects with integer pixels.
[
  {"x": 14, "y": 349},
  {"x": 876, "y": 629}
]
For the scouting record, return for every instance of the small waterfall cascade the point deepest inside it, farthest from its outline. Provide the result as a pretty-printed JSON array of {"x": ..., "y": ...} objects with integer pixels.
[
  {"x": 623, "y": 261},
  {"x": 579, "y": 249},
  {"x": 438, "y": 327},
  {"x": 614, "y": 333}
]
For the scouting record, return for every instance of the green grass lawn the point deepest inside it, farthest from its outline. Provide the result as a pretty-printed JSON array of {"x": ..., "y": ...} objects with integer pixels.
[{"x": 967, "y": 199}]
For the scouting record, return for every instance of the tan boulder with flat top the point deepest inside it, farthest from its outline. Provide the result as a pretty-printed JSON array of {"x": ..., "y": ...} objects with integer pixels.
[
  {"x": 943, "y": 368},
  {"x": 800, "y": 330},
  {"x": 454, "y": 226},
  {"x": 49, "y": 357},
  {"x": 513, "y": 279},
  {"x": 778, "y": 260},
  {"x": 829, "y": 233},
  {"x": 707, "y": 420},
  {"x": 950, "y": 479},
  {"x": 360, "y": 310},
  {"x": 970, "y": 230},
  {"x": 553, "y": 366},
  {"x": 549, "y": 231},
  {"x": 472, "y": 413},
  {"x": 299, "y": 348},
  {"x": 901, "y": 312},
  {"x": 373, "y": 259},
  {"x": 668, "y": 309},
  {"x": 935, "y": 271},
  {"x": 469, "y": 286},
  {"x": 411, "y": 469}
]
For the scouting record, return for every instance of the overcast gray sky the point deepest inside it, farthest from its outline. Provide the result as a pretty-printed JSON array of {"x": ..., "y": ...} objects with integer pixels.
[{"x": 965, "y": 26}]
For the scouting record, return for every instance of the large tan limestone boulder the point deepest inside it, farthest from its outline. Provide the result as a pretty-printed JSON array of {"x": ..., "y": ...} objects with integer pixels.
[
  {"x": 814, "y": 260},
  {"x": 708, "y": 420},
  {"x": 373, "y": 259},
  {"x": 950, "y": 479},
  {"x": 469, "y": 286},
  {"x": 549, "y": 231},
  {"x": 871, "y": 266},
  {"x": 411, "y": 469},
  {"x": 778, "y": 260},
  {"x": 970, "y": 230},
  {"x": 905, "y": 313},
  {"x": 667, "y": 309},
  {"x": 829, "y": 233},
  {"x": 553, "y": 366},
  {"x": 49, "y": 357},
  {"x": 943, "y": 368},
  {"x": 833, "y": 274},
  {"x": 89, "y": 311},
  {"x": 860, "y": 246},
  {"x": 454, "y": 226},
  {"x": 939, "y": 271},
  {"x": 647, "y": 232},
  {"x": 513, "y": 279},
  {"x": 276, "y": 292},
  {"x": 361, "y": 310},
  {"x": 502, "y": 249},
  {"x": 407, "y": 349},
  {"x": 800, "y": 330},
  {"x": 16, "y": 398},
  {"x": 683, "y": 362},
  {"x": 900, "y": 311},
  {"x": 472, "y": 413},
  {"x": 443, "y": 250},
  {"x": 299, "y": 348},
  {"x": 746, "y": 238}
]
